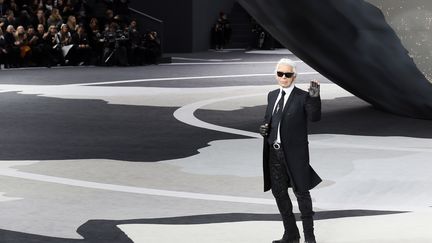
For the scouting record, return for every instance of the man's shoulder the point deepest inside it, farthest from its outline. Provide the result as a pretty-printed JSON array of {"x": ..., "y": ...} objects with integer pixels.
[
  {"x": 300, "y": 92},
  {"x": 273, "y": 92}
]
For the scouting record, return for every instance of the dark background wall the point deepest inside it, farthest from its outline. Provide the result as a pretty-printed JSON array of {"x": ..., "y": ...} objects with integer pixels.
[
  {"x": 205, "y": 14},
  {"x": 187, "y": 23}
]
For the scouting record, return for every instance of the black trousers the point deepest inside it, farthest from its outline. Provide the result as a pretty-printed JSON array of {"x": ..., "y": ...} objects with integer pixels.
[{"x": 280, "y": 181}]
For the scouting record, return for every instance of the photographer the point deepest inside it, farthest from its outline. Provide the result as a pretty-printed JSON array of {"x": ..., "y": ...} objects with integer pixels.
[{"x": 115, "y": 51}]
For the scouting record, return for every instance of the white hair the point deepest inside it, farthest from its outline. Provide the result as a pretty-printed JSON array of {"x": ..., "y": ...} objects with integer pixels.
[{"x": 287, "y": 62}]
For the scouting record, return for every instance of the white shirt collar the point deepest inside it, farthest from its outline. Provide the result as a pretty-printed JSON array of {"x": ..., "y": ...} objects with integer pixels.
[{"x": 287, "y": 90}]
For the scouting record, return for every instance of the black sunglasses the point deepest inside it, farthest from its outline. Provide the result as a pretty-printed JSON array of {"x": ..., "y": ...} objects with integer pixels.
[{"x": 287, "y": 75}]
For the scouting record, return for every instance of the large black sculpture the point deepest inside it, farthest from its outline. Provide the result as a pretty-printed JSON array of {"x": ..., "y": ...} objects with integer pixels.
[{"x": 349, "y": 42}]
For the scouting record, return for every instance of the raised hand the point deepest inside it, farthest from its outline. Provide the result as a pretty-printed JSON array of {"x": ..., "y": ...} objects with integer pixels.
[
  {"x": 264, "y": 129},
  {"x": 314, "y": 89}
]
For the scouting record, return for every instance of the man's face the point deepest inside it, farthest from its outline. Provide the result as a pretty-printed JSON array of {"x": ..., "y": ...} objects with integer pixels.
[
  {"x": 40, "y": 28},
  {"x": 53, "y": 30},
  {"x": 284, "y": 81}
]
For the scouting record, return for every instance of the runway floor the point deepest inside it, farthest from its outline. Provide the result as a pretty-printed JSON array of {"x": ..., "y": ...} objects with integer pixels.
[{"x": 170, "y": 153}]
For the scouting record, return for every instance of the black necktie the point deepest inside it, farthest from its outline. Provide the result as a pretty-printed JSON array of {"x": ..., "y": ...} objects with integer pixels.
[{"x": 276, "y": 118}]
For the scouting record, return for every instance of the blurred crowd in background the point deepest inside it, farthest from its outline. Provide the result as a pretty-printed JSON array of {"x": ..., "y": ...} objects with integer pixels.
[{"x": 73, "y": 32}]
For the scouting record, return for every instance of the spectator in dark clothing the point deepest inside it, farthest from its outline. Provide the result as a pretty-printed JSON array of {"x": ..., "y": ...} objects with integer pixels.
[
  {"x": 82, "y": 50},
  {"x": 55, "y": 18},
  {"x": 41, "y": 55},
  {"x": 68, "y": 10},
  {"x": 2, "y": 23},
  {"x": 3, "y": 52},
  {"x": 64, "y": 36},
  {"x": 48, "y": 7},
  {"x": 226, "y": 25},
  {"x": 72, "y": 24},
  {"x": 10, "y": 19},
  {"x": 12, "y": 49},
  {"x": 24, "y": 19},
  {"x": 152, "y": 47},
  {"x": 136, "y": 50},
  {"x": 13, "y": 6},
  {"x": 40, "y": 18},
  {"x": 96, "y": 40},
  {"x": 21, "y": 42},
  {"x": 97, "y": 9},
  {"x": 221, "y": 31},
  {"x": 31, "y": 40},
  {"x": 65, "y": 40},
  {"x": 218, "y": 35},
  {"x": 53, "y": 44},
  {"x": 109, "y": 18},
  {"x": 3, "y": 8},
  {"x": 121, "y": 9},
  {"x": 81, "y": 13}
]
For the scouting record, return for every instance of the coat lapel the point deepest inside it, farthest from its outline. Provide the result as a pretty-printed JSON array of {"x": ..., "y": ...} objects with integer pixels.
[
  {"x": 271, "y": 104},
  {"x": 273, "y": 98}
]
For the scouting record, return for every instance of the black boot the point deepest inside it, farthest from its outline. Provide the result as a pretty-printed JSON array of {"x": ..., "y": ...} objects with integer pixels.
[{"x": 305, "y": 205}]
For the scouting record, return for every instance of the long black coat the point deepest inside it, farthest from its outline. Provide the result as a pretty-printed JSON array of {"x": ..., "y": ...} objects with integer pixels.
[{"x": 298, "y": 110}]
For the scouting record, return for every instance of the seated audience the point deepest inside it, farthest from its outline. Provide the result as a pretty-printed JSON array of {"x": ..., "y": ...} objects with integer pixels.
[{"x": 90, "y": 33}]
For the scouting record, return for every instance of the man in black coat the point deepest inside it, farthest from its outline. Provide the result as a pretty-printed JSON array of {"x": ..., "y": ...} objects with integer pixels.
[{"x": 286, "y": 152}]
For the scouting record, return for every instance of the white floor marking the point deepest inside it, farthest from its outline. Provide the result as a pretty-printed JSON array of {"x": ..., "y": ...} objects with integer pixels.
[
  {"x": 185, "y": 114},
  {"x": 223, "y": 63},
  {"x": 179, "y": 78},
  {"x": 130, "y": 189},
  {"x": 271, "y": 52},
  {"x": 168, "y": 79},
  {"x": 365, "y": 146},
  {"x": 208, "y": 60},
  {"x": 5, "y": 91},
  {"x": 3, "y": 198}
]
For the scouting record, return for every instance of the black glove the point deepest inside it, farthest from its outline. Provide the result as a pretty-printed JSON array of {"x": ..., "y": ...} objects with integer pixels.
[
  {"x": 264, "y": 130},
  {"x": 314, "y": 89}
]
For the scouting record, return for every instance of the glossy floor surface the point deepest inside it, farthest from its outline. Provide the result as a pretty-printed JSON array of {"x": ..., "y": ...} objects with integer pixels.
[{"x": 171, "y": 153}]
